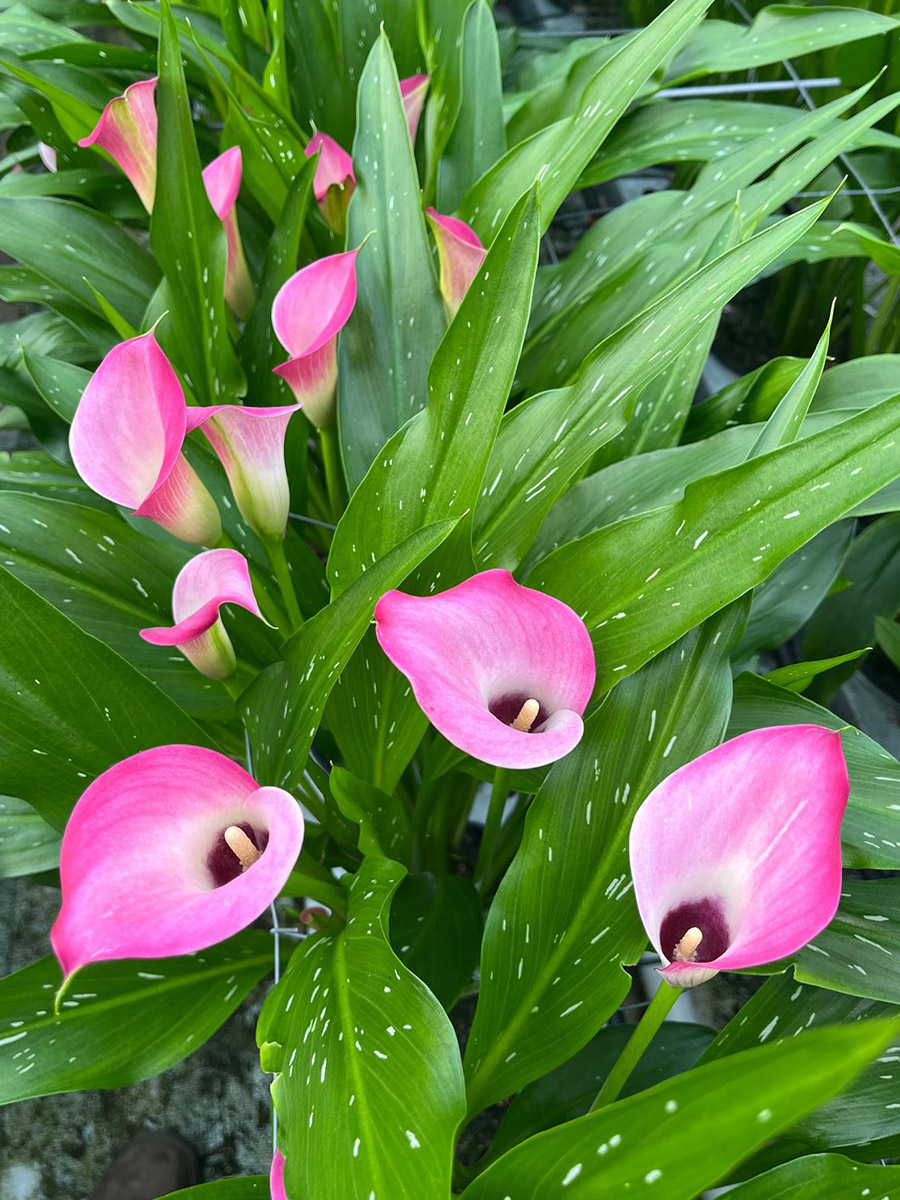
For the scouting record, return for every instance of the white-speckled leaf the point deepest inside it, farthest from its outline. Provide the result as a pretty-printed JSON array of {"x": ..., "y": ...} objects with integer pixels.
[
  {"x": 643, "y": 582},
  {"x": 819, "y": 1175},
  {"x": 647, "y": 1145},
  {"x": 564, "y": 921},
  {"x": 369, "y": 1089},
  {"x": 121, "y": 1021},
  {"x": 27, "y": 843},
  {"x": 859, "y": 952}
]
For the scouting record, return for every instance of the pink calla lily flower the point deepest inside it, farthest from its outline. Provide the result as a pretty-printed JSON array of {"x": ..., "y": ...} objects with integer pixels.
[
  {"x": 222, "y": 180},
  {"x": 202, "y": 586},
  {"x": 736, "y": 856},
  {"x": 334, "y": 181},
  {"x": 413, "y": 91},
  {"x": 276, "y": 1177},
  {"x": 502, "y": 671},
  {"x": 168, "y": 852},
  {"x": 250, "y": 446},
  {"x": 126, "y": 440},
  {"x": 127, "y": 132},
  {"x": 308, "y": 313},
  {"x": 460, "y": 254}
]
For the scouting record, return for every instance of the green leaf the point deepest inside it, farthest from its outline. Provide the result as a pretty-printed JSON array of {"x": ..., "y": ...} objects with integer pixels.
[
  {"x": 871, "y": 828},
  {"x": 846, "y": 620},
  {"x": 433, "y": 468},
  {"x": 283, "y": 706},
  {"x": 641, "y": 583},
  {"x": 478, "y": 138},
  {"x": 27, "y": 843},
  {"x": 783, "y": 1009},
  {"x": 887, "y": 634},
  {"x": 387, "y": 345},
  {"x": 70, "y": 706},
  {"x": 35, "y": 473},
  {"x": 59, "y": 383},
  {"x": 822, "y": 1175},
  {"x": 797, "y": 676},
  {"x": 364, "y": 1049},
  {"x": 94, "y": 247},
  {"x": 251, "y": 1187},
  {"x": 543, "y": 996},
  {"x": 859, "y": 952},
  {"x": 436, "y": 924},
  {"x": 384, "y": 829},
  {"x": 558, "y": 154},
  {"x": 739, "y": 1104},
  {"x": 544, "y": 442},
  {"x": 783, "y": 427},
  {"x": 778, "y": 32},
  {"x": 120, "y": 1022},
  {"x": 569, "y": 1091},
  {"x": 189, "y": 242}
]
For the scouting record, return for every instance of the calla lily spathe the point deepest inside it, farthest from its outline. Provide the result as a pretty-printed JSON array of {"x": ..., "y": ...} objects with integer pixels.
[
  {"x": 250, "y": 446},
  {"x": 736, "y": 856},
  {"x": 202, "y": 586},
  {"x": 334, "y": 181},
  {"x": 168, "y": 852},
  {"x": 126, "y": 440},
  {"x": 308, "y": 313},
  {"x": 222, "y": 180},
  {"x": 127, "y": 132},
  {"x": 502, "y": 671},
  {"x": 460, "y": 254},
  {"x": 276, "y": 1177},
  {"x": 413, "y": 91}
]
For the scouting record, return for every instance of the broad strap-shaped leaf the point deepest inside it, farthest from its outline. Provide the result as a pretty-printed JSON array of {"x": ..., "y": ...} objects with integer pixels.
[
  {"x": 70, "y": 707},
  {"x": 820, "y": 1175},
  {"x": 870, "y": 832},
  {"x": 641, "y": 583},
  {"x": 284, "y": 705},
  {"x": 27, "y": 843},
  {"x": 784, "y": 1008},
  {"x": 436, "y": 925},
  {"x": 384, "y": 829},
  {"x": 558, "y": 154},
  {"x": 386, "y": 348},
  {"x": 189, "y": 242},
  {"x": 543, "y": 442},
  {"x": 738, "y": 1104},
  {"x": 434, "y": 467},
  {"x": 96, "y": 248},
  {"x": 778, "y": 32},
  {"x": 369, "y": 1086},
  {"x": 478, "y": 138},
  {"x": 121, "y": 1021},
  {"x": 563, "y": 921},
  {"x": 859, "y": 952}
]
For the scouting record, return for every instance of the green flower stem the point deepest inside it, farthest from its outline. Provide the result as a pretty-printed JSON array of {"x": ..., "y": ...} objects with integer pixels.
[
  {"x": 331, "y": 461},
  {"x": 279, "y": 563},
  {"x": 232, "y": 687},
  {"x": 499, "y": 795},
  {"x": 654, "y": 1015}
]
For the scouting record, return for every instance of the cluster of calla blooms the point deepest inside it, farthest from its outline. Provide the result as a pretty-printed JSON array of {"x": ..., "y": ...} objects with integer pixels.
[{"x": 735, "y": 857}]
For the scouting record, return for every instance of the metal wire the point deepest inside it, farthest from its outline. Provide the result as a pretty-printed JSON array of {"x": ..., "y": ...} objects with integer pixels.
[
  {"x": 744, "y": 89},
  {"x": 852, "y": 169}
]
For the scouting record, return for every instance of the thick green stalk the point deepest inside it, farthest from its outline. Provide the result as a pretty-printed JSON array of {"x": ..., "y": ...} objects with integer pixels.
[
  {"x": 654, "y": 1015},
  {"x": 499, "y": 796},
  {"x": 279, "y": 563}
]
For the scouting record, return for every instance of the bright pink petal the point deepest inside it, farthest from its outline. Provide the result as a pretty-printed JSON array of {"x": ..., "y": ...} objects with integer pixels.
[
  {"x": 413, "y": 91},
  {"x": 307, "y": 315},
  {"x": 144, "y": 867},
  {"x": 460, "y": 254},
  {"x": 250, "y": 446},
  {"x": 129, "y": 427},
  {"x": 484, "y": 648},
  {"x": 334, "y": 168},
  {"x": 222, "y": 180},
  {"x": 276, "y": 1177},
  {"x": 744, "y": 844},
  {"x": 127, "y": 132},
  {"x": 203, "y": 585}
]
